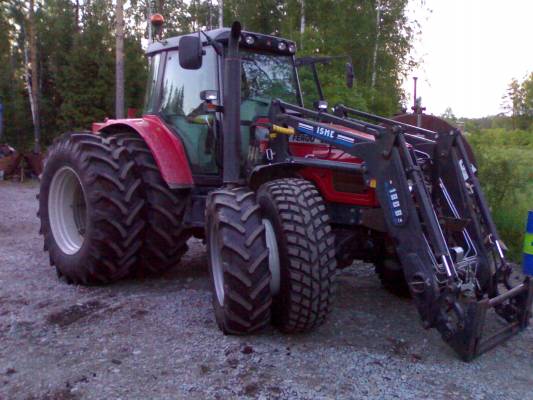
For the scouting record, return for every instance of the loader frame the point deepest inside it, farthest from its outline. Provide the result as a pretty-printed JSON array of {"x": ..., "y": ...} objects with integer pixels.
[{"x": 442, "y": 293}]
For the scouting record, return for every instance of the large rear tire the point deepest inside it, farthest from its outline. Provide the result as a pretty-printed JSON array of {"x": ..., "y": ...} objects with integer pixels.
[
  {"x": 165, "y": 239},
  {"x": 296, "y": 212},
  {"x": 238, "y": 261},
  {"x": 90, "y": 208}
]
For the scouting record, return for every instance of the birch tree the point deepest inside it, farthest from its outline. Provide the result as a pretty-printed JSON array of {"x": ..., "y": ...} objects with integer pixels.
[
  {"x": 33, "y": 77},
  {"x": 302, "y": 23},
  {"x": 119, "y": 68},
  {"x": 221, "y": 13},
  {"x": 376, "y": 45}
]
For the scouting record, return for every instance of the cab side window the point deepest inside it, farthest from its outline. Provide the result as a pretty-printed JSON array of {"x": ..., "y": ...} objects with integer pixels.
[
  {"x": 150, "y": 103},
  {"x": 182, "y": 108}
]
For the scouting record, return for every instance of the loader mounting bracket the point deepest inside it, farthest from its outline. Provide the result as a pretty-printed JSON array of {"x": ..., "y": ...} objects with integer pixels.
[{"x": 514, "y": 306}]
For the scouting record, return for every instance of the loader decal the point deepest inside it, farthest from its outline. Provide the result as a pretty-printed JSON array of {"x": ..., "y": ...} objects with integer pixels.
[
  {"x": 304, "y": 128},
  {"x": 299, "y": 138},
  {"x": 463, "y": 169},
  {"x": 397, "y": 214},
  {"x": 326, "y": 134}
]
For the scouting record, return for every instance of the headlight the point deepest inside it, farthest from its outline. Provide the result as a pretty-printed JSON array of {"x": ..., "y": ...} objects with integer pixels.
[
  {"x": 292, "y": 48},
  {"x": 250, "y": 40},
  {"x": 282, "y": 46}
]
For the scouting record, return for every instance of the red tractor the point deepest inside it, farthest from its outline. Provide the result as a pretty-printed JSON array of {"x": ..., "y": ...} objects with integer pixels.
[{"x": 282, "y": 194}]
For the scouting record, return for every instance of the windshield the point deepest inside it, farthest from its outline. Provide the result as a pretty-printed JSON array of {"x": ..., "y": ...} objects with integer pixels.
[{"x": 268, "y": 76}]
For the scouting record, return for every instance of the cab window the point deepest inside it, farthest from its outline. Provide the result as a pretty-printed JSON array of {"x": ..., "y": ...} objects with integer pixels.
[
  {"x": 150, "y": 100},
  {"x": 182, "y": 108}
]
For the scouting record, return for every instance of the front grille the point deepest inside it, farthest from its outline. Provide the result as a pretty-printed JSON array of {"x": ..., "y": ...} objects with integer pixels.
[{"x": 349, "y": 182}]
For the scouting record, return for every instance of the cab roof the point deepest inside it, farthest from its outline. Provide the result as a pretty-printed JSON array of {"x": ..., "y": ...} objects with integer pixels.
[{"x": 262, "y": 41}]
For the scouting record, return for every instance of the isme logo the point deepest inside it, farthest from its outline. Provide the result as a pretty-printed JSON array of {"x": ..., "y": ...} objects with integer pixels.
[{"x": 320, "y": 130}]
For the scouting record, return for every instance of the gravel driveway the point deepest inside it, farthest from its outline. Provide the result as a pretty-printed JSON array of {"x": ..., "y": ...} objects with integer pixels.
[{"x": 157, "y": 338}]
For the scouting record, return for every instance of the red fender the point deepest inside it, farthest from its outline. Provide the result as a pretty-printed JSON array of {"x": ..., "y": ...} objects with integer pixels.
[{"x": 166, "y": 147}]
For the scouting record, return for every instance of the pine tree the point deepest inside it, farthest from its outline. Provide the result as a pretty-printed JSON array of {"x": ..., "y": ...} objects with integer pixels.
[
  {"x": 514, "y": 101},
  {"x": 88, "y": 92},
  {"x": 56, "y": 30}
]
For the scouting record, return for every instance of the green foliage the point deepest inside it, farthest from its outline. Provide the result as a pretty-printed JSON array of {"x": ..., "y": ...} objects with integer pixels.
[
  {"x": 349, "y": 28},
  {"x": 76, "y": 46},
  {"x": 135, "y": 73},
  {"x": 90, "y": 68},
  {"x": 12, "y": 90},
  {"x": 518, "y": 102},
  {"x": 332, "y": 77},
  {"x": 264, "y": 16},
  {"x": 505, "y": 161},
  {"x": 449, "y": 116},
  {"x": 55, "y": 26}
]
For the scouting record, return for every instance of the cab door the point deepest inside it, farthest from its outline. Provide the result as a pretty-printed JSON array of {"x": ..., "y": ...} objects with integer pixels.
[{"x": 182, "y": 109}]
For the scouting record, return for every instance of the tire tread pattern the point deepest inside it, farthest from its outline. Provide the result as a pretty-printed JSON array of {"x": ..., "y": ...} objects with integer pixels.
[
  {"x": 244, "y": 258},
  {"x": 165, "y": 239},
  {"x": 114, "y": 205},
  {"x": 310, "y": 247}
]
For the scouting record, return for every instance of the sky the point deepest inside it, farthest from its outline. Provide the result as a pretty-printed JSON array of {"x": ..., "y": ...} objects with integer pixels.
[{"x": 469, "y": 51}]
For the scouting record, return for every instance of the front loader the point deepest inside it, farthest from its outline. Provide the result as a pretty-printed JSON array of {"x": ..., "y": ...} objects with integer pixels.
[
  {"x": 435, "y": 213},
  {"x": 282, "y": 195}
]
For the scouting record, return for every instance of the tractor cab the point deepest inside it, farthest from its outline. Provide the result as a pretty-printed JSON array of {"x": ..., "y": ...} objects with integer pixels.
[{"x": 186, "y": 88}]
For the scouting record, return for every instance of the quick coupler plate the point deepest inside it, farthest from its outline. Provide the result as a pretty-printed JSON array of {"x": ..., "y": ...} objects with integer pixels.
[{"x": 512, "y": 306}]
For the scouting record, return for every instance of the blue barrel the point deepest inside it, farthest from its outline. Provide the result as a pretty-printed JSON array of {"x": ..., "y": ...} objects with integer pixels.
[{"x": 528, "y": 245}]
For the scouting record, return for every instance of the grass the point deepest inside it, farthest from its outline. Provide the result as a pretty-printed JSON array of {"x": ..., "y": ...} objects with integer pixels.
[{"x": 505, "y": 161}]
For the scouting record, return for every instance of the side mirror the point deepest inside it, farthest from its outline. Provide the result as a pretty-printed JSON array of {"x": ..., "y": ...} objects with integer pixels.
[
  {"x": 349, "y": 75},
  {"x": 190, "y": 52},
  {"x": 209, "y": 95}
]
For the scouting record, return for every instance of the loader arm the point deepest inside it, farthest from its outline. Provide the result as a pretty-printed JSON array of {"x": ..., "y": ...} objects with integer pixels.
[{"x": 436, "y": 214}]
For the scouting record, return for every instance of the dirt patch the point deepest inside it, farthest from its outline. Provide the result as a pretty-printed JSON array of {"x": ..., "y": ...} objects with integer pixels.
[{"x": 73, "y": 313}]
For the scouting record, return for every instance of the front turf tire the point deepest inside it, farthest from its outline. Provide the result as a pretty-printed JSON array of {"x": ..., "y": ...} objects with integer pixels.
[
  {"x": 90, "y": 208},
  {"x": 238, "y": 261},
  {"x": 306, "y": 248}
]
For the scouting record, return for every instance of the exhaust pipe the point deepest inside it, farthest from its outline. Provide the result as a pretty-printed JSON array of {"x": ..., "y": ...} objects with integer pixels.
[{"x": 232, "y": 107}]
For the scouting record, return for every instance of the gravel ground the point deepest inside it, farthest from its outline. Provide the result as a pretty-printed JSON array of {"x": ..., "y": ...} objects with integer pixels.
[{"x": 157, "y": 338}]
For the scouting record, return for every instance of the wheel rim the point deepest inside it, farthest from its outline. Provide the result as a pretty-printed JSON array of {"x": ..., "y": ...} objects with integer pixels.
[
  {"x": 273, "y": 257},
  {"x": 67, "y": 210},
  {"x": 216, "y": 265}
]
